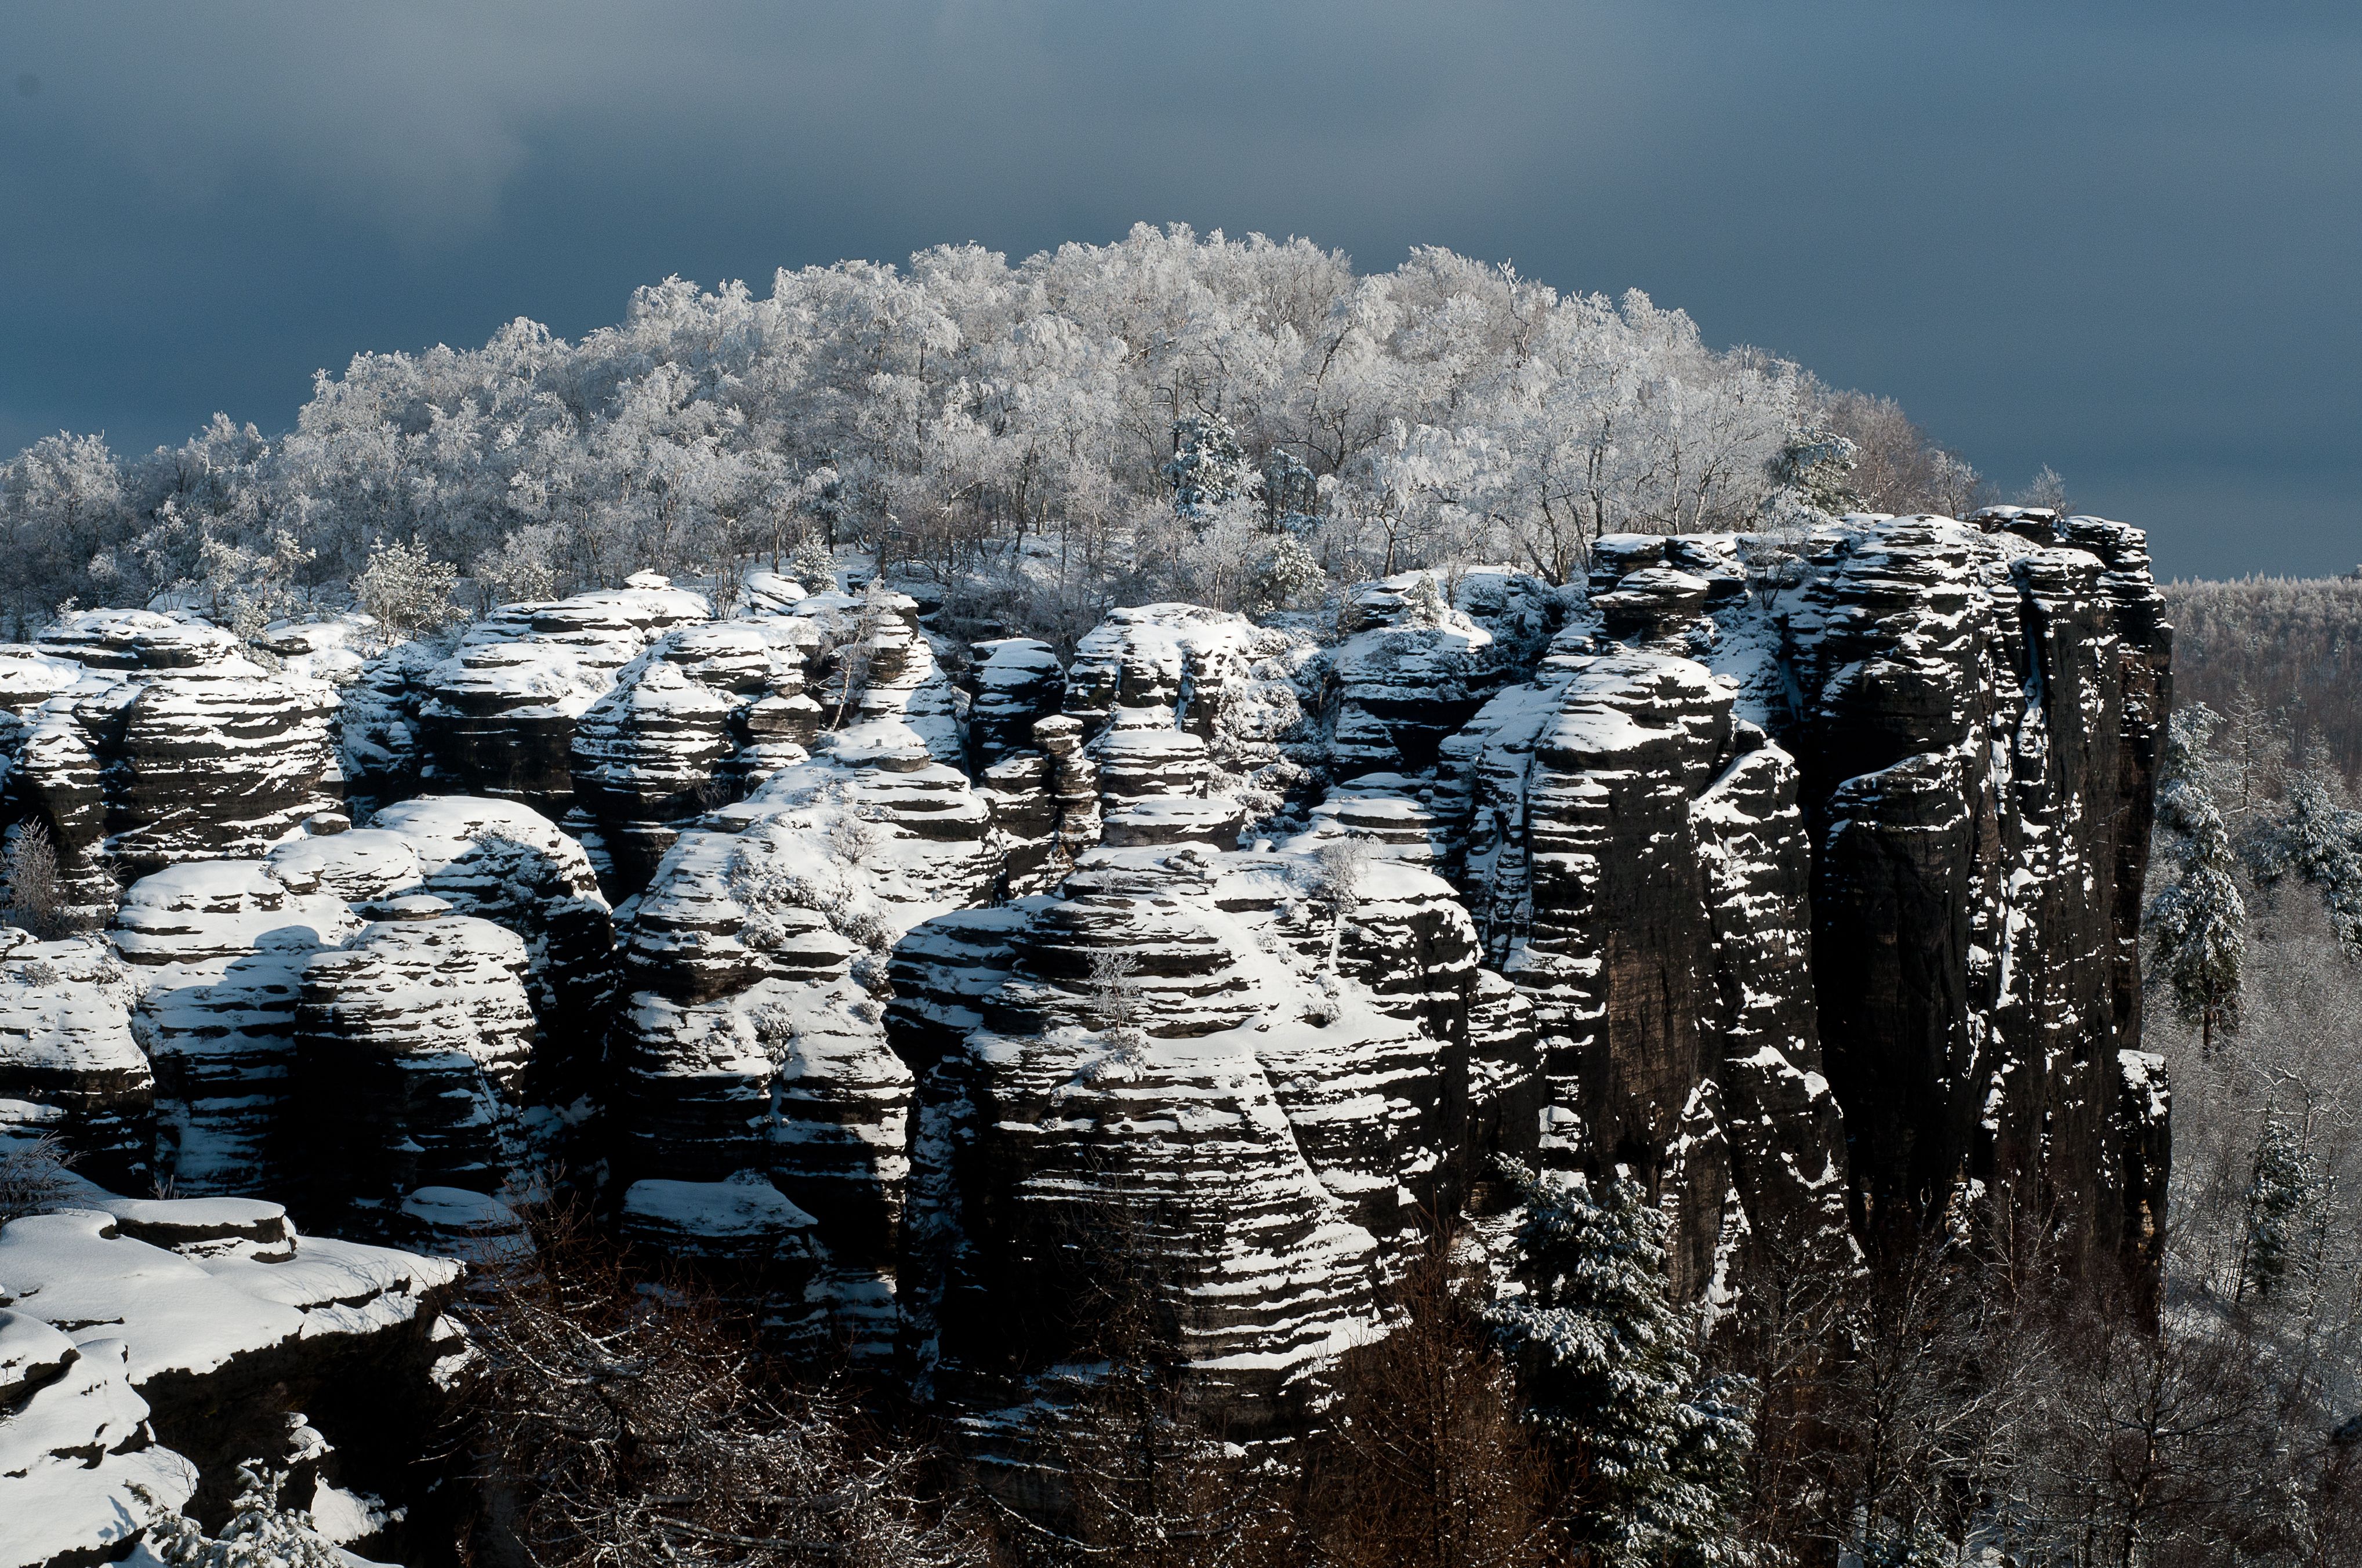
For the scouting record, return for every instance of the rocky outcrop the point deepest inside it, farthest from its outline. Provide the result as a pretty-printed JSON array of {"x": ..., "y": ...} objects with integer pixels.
[
  {"x": 412, "y": 1044},
  {"x": 163, "y": 1343},
  {"x": 753, "y": 1039},
  {"x": 222, "y": 952},
  {"x": 139, "y": 740},
  {"x": 66, "y": 1045},
  {"x": 496, "y": 718},
  {"x": 706, "y": 715},
  {"x": 78, "y": 1459},
  {"x": 1633, "y": 856},
  {"x": 1973, "y": 710},
  {"x": 934, "y": 1013}
]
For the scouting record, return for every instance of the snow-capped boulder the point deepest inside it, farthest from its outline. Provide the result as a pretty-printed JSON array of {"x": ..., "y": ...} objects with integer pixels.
[
  {"x": 497, "y": 717},
  {"x": 76, "y": 1451}
]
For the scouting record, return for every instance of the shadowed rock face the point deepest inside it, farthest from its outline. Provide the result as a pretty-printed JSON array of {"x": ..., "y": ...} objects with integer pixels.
[
  {"x": 221, "y": 953},
  {"x": 1635, "y": 862},
  {"x": 752, "y": 1042},
  {"x": 1977, "y": 720},
  {"x": 1205, "y": 967},
  {"x": 67, "y": 1050}
]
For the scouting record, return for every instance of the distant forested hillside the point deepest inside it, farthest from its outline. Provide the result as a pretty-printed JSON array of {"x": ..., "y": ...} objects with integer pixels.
[{"x": 2289, "y": 649}]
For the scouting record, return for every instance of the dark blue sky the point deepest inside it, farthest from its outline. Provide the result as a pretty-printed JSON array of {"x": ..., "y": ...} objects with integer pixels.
[{"x": 2122, "y": 240}]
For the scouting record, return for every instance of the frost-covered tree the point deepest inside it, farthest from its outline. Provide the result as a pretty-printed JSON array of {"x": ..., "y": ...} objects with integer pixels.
[
  {"x": 261, "y": 1534},
  {"x": 1285, "y": 572},
  {"x": 2317, "y": 840},
  {"x": 1042, "y": 435},
  {"x": 406, "y": 590},
  {"x": 1606, "y": 1365},
  {"x": 815, "y": 565},
  {"x": 527, "y": 566},
  {"x": 2198, "y": 923},
  {"x": 1207, "y": 467},
  {"x": 2046, "y": 489},
  {"x": 1815, "y": 468},
  {"x": 35, "y": 897},
  {"x": 2280, "y": 1188}
]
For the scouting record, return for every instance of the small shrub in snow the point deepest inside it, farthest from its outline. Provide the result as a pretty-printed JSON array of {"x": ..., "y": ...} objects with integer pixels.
[
  {"x": 33, "y": 1177},
  {"x": 767, "y": 889},
  {"x": 852, "y": 840},
  {"x": 261, "y": 1534},
  {"x": 1115, "y": 997}
]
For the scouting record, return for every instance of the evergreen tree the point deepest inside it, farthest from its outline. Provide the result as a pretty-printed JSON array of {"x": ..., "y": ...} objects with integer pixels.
[
  {"x": 815, "y": 565},
  {"x": 1208, "y": 468},
  {"x": 2279, "y": 1188},
  {"x": 1814, "y": 469},
  {"x": 2198, "y": 925},
  {"x": 2319, "y": 841},
  {"x": 1654, "y": 1445},
  {"x": 261, "y": 1534}
]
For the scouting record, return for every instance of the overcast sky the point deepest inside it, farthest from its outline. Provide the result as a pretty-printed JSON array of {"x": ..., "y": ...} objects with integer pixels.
[{"x": 2122, "y": 240}]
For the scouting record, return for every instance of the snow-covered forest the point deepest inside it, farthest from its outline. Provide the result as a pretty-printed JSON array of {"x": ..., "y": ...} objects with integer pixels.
[{"x": 1172, "y": 415}]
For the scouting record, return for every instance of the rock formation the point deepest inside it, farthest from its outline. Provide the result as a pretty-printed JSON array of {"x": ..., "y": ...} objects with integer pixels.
[
  {"x": 160, "y": 1345},
  {"x": 753, "y": 1041},
  {"x": 949, "y": 992},
  {"x": 141, "y": 740}
]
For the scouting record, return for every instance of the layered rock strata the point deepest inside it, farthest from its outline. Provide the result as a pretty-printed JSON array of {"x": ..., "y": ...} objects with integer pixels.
[
  {"x": 1974, "y": 709},
  {"x": 222, "y": 953},
  {"x": 496, "y": 717},
  {"x": 66, "y": 1045},
  {"x": 1800, "y": 881},
  {"x": 751, "y": 1044},
  {"x": 139, "y": 740}
]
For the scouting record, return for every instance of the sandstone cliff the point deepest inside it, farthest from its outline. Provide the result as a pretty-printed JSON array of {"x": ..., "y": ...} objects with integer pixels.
[{"x": 928, "y": 993}]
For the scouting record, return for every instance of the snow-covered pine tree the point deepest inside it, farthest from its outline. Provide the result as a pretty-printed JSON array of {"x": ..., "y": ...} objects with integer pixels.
[
  {"x": 1814, "y": 468},
  {"x": 2280, "y": 1185},
  {"x": 1208, "y": 468},
  {"x": 1288, "y": 569},
  {"x": 2198, "y": 925},
  {"x": 815, "y": 565},
  {"x": 261, "y": 1534},
  {"x": 1654, "y": 1445},
  {"x": 2317, "y": 840}
]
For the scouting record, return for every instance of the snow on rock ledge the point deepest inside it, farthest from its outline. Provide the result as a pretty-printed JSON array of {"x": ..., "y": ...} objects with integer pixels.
[{"x": 164, "y": 1342}]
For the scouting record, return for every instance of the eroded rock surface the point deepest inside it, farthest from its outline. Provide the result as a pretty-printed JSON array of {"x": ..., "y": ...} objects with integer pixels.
[
  {"x": 1213, "y": 961},
  {"x": 139, "y": 740}
]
